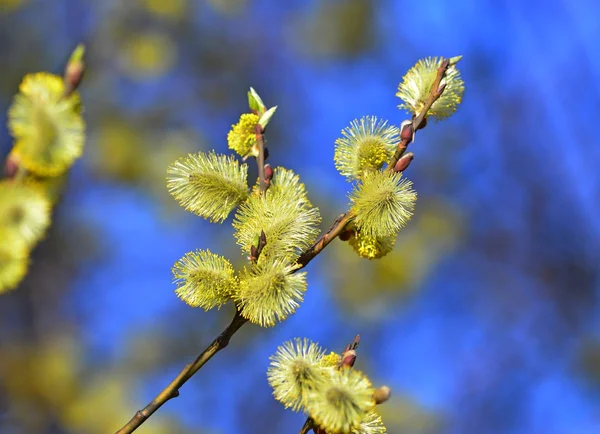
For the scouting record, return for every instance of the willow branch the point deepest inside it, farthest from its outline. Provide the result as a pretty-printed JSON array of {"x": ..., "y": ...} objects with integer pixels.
[
  {"x": 336, "y": 228},
  {"x": 420, "y": 120},
  {"x": 172, "y": 390}
]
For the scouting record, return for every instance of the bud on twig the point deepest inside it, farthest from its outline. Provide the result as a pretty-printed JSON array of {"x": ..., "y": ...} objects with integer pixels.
[
  {"x": 268, "y": 173},
  {"x": 346, "y": 234},
  {"x": 348, "y": 358},
  {"x": 407, "y": 132},
  {"x": 404, "y": 162},
  {"x": 74, "y": 70},
  {"x": 382, "y": 394},
  {"x": 11, "y": 166},
  {"x": 422, "y": 125}
]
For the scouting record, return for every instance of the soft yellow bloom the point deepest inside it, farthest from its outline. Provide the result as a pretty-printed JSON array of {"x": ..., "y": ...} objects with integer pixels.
[
  {"x": 283, "y": 213},
  {"x": 296, "y": 370},
  {"x": 269, "y": 292},
  {"x": 344, "y": 404},
  {"x": 331, "y": 360},
  {"x": 13, "y": 259},
  {"x": 204, "y": 279},
  {"x": 371, "y": 424},
  {"x": 242, "y": 136},
  {"x": 382, "y": 203},
  {"x": 148, "y": 54},
  {"x": 417, "y": 85},
  {"x": 24, "y": 210},
  {"x": 48, "y": 128},
  {"x": 169, "y": 9},
  {"x": 366, "y": 144},
  {"x": 209, "y": 185},
  {"x": 372, "y": 247}
]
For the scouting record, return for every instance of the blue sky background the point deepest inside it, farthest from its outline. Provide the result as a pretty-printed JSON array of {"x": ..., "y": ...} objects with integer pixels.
[{"x": 495, "y": 329}]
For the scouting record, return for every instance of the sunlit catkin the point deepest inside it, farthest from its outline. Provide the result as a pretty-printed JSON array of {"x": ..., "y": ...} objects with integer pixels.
[{"x": 295, "y": 371}]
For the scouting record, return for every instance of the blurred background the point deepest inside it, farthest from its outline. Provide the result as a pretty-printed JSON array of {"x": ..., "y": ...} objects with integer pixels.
[{"x": 484, "y": 319}]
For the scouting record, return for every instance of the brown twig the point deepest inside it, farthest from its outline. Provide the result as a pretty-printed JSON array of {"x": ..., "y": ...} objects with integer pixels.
[
  {"x": 420, "y": 120},
  {"x": 307, "y": 426},
  {"x": 261, "y": 158},
  {"x": 172, "y": 390},
  {"x": 335, "y": 229}
]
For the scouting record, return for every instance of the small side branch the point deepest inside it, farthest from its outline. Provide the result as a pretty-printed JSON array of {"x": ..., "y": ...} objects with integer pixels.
[
  {"x": 336, "y": 228},
  {"x": 420, "y": 120}
]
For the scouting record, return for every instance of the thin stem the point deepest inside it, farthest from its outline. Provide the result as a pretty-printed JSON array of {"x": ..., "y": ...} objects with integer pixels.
[
  {"x": 172, "y": 390},
  {"x": 336, "y": 228},
  {"x": 261, "y": 158},
  {"x": 307, "y": 426}
]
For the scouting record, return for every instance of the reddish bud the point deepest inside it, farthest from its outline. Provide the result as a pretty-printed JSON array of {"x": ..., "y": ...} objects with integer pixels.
[
  {"x": 382, "y": 394},
  {"x": 268, "y": 172},
  {"x": 346, "y": 235},
  {"x": 253, "y": 253},
  {"x": 11, "y": 166},
  {"x": 73, "y": 76},
  {"x": 348, "y": 358},
  {"x": 407, "y": 132},
  {"x": 404, "y": 162},
  {"x": 423, "y": 124}
]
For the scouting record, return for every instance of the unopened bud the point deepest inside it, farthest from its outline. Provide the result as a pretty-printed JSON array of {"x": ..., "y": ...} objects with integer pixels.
[
  {"x": 253, "y": 253},
  {"x": 268, "y": 172},
  {"x": 407, "y": 132},
  {"x": 74, "y": 70},
  {"x": 441, "y": 88},
  {"x": 382, "y": 394},
  {"x": 266, "y": 152},
  {"x": 404, "y": 162},
  {"x": 262, "y": 239},
  {"x": 348, "y": 358},
  {"x": 422, "y": 125},
  {"x": 346, "y": 235},
  {"x": 11, "y": 166}
]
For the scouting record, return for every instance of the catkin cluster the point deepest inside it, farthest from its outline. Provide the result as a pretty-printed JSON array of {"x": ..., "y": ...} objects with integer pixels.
[
  {"x": 46, "y": 123},
  {"x": 275, "y": 224}
]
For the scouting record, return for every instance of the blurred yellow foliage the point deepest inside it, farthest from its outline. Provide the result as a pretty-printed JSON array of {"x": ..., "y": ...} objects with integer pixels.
[
  {"x": 118, "y": 151},
  {"x": 173, "y": 9},
  {"x": 10, "y": 5},
  {"x": 402, "y": 414},
  {"x": 341, "y": 28},
  {"x": 228, "y": 7},
  {"x": 148, "y": 55},
  {"x": 46, "y": 382}
]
